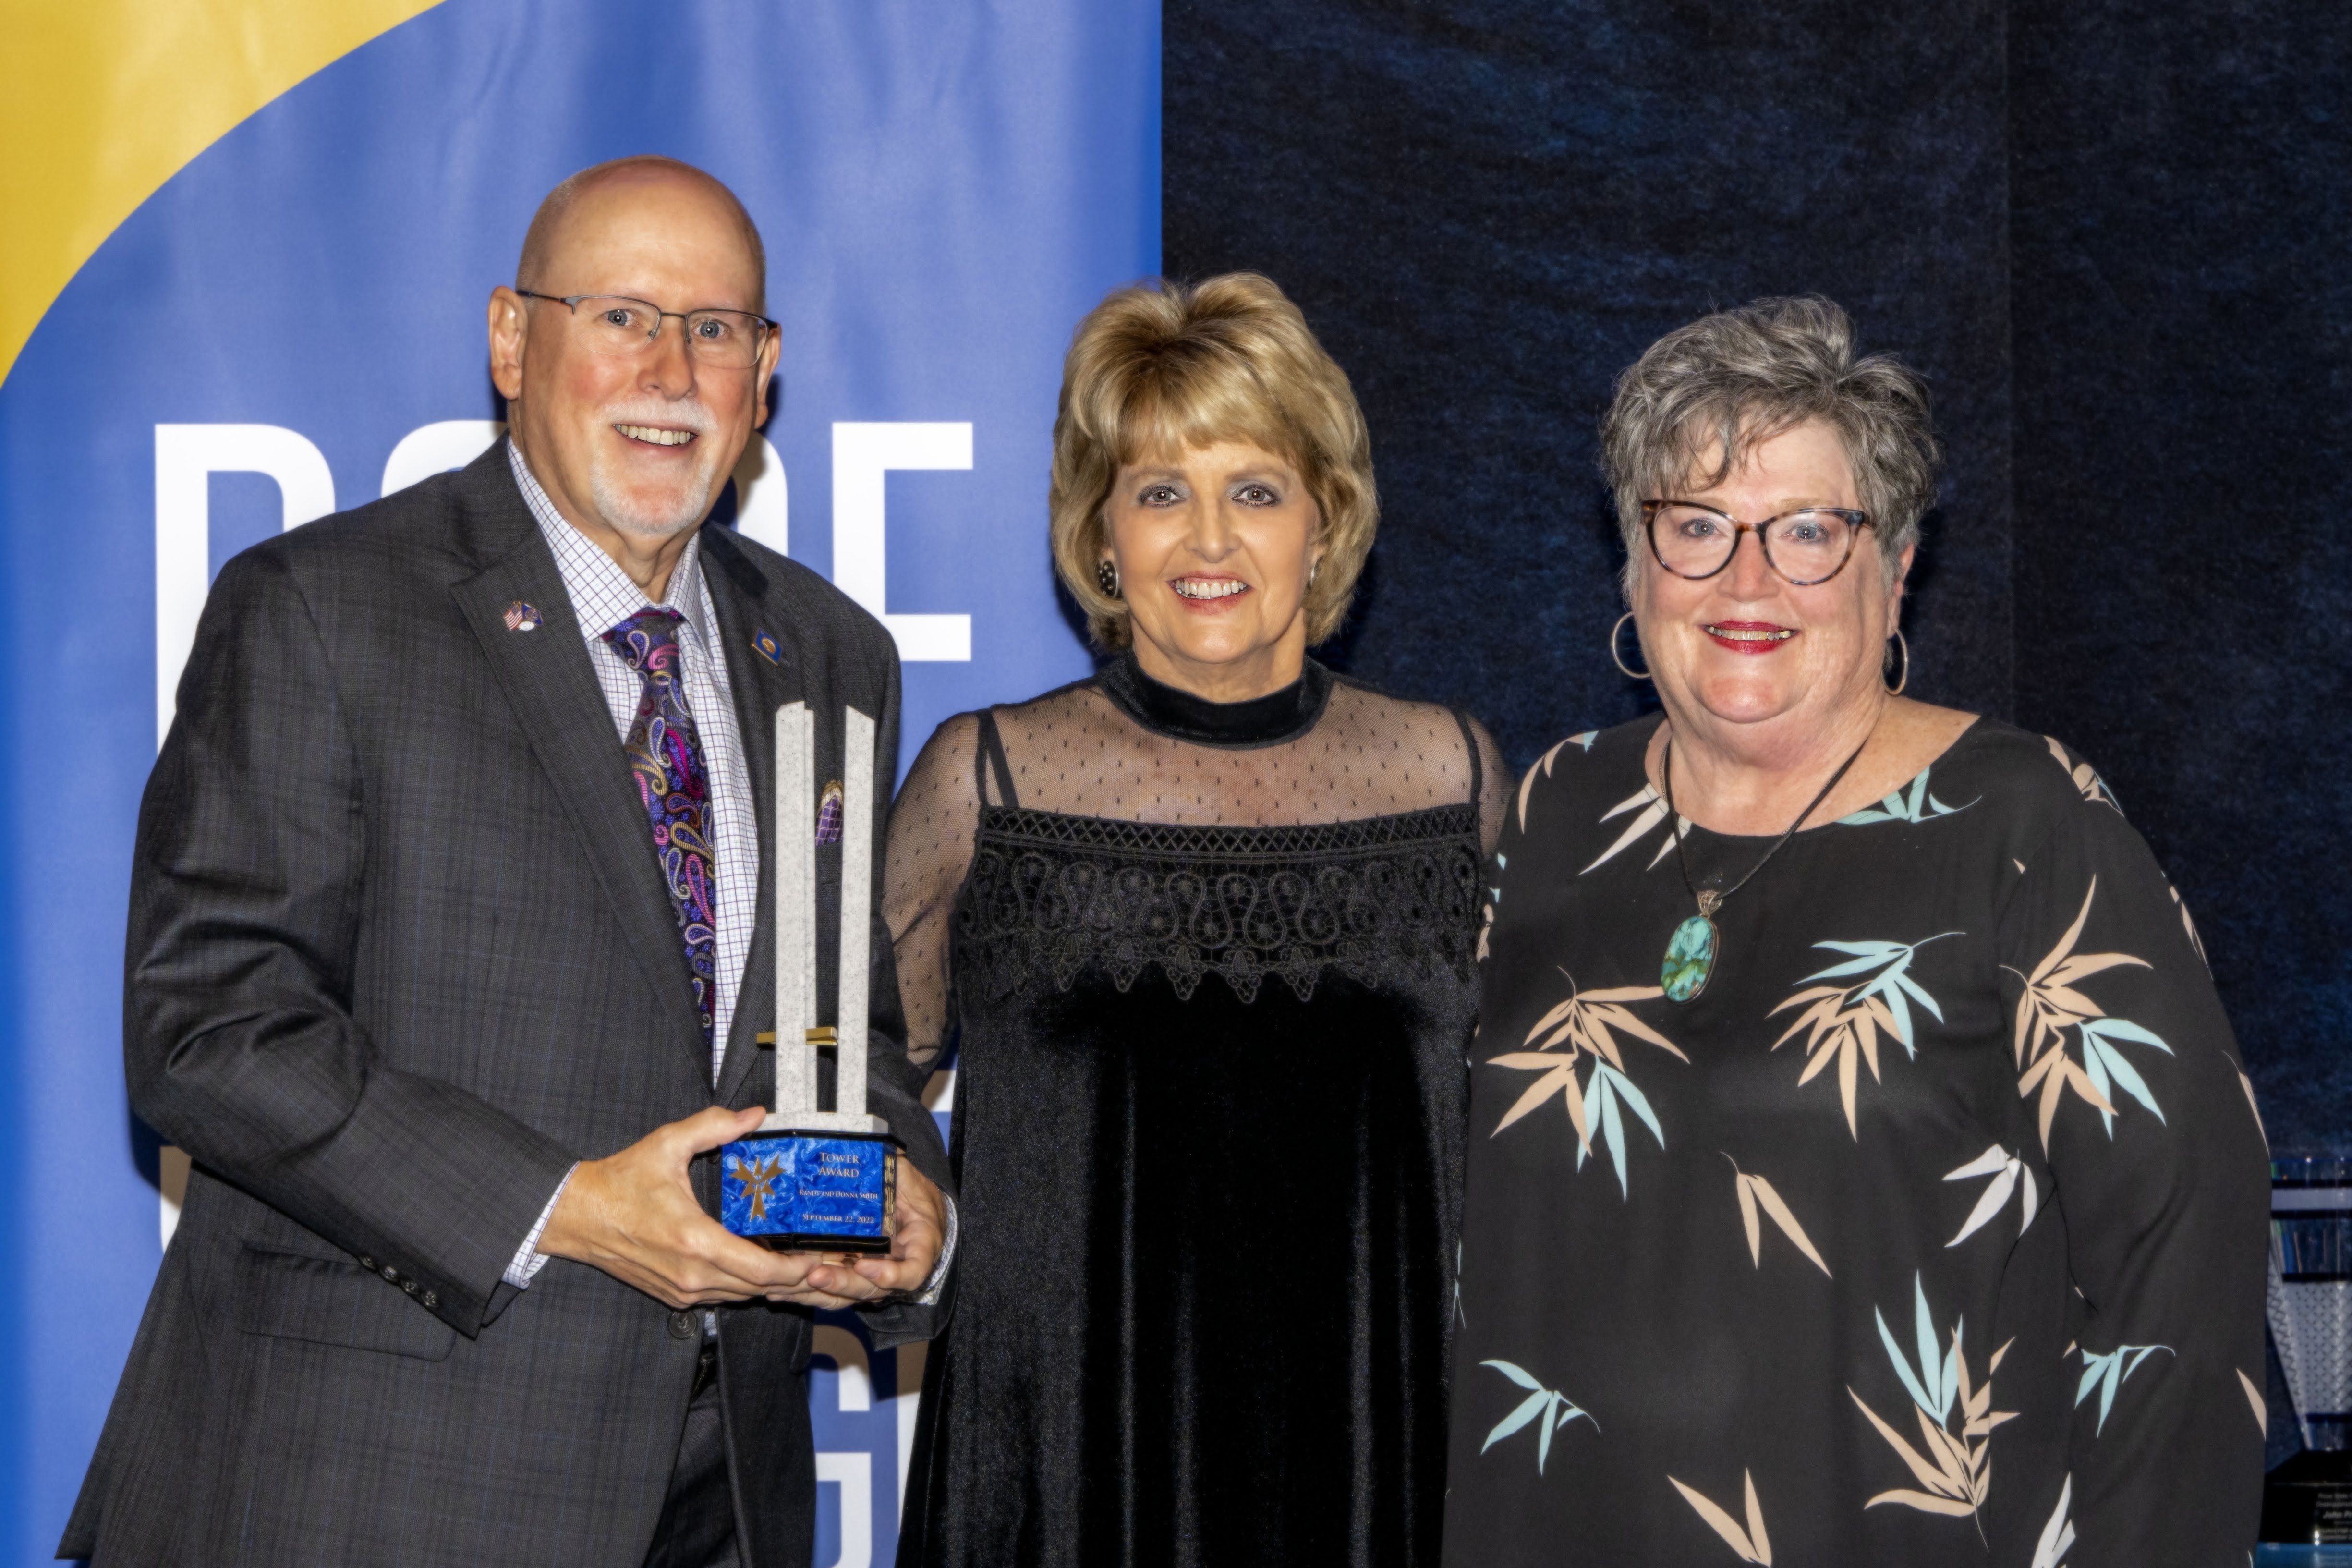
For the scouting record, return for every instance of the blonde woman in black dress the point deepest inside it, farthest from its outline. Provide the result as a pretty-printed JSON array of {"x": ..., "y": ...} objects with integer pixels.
[
  {"x": 1202, "y": 929},
  {"x": 1862, "y": 1171}
]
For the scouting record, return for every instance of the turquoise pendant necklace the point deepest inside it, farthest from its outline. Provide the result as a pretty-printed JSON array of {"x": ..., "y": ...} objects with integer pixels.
[{"x": 1692, "y": 950}]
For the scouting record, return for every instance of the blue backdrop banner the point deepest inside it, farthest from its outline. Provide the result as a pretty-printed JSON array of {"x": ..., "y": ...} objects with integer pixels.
[{"x": 294, "y": 323}]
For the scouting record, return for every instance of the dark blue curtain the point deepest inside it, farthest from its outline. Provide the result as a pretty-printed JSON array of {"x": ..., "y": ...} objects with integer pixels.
[{"x": 2117, "y": 238}]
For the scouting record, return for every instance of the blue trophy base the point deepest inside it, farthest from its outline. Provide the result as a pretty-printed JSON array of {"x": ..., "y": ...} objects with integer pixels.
[{"x": 809, "y": 1192}]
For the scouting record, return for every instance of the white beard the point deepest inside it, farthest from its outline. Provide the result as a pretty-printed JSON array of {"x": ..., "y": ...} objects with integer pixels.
[{"x": 653, "y": 519}]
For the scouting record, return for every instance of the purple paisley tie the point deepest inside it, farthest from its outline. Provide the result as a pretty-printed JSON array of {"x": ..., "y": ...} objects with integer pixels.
[{"x": 666, "y": 759}]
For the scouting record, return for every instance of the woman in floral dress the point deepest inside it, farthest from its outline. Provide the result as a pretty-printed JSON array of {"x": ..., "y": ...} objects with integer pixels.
[{"x": 1862, "y": 1170}]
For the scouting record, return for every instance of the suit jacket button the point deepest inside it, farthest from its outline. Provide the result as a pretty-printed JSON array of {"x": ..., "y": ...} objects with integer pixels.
[
  {"x": 389, "y": 1272},
  {"x": 430, "y": 1301},
  {"x": 409, "y": 1286},
  {"x": 681, "y": 1325},
  {"x": 368, "y": 1264}
]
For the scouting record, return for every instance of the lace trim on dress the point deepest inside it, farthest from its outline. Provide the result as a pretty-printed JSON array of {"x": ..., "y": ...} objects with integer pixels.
[{"x": 1371, "y": 898}]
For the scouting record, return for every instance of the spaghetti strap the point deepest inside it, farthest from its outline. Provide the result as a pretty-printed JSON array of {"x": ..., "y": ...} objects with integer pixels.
[
  {"x": 1470, "y": 738},
  {"x": 992, "y": 750}
]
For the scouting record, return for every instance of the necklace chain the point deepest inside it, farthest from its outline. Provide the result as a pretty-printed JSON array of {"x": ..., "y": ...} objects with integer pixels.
[{"x": 1711, "y": 901}]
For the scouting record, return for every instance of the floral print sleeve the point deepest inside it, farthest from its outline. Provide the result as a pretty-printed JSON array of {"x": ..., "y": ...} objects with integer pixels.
[{"x": 2136, "y": 1101}]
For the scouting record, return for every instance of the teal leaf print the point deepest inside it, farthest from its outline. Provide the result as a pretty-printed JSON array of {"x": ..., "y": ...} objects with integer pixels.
[
  {"x": 1917, "y": 806},
  {"x": 1589, "y": 1023},
  {"x": 1843, "y": 1022},
  {"x": 2052, "y": 1003},
  {"x": 2106, "y": 1373},
  {"x": 2058, "y": 1535},
  {"x": 2107, "y": 1066},
  {"x": 1955, "y": 1417},
  {"x": 2008, "y": 1176},
  {"x": 1553, "y": 1408}
]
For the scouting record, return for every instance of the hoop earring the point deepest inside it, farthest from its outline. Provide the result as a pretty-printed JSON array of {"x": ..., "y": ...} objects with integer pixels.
[
  {"x": 1107, "y": 578},
  {"x": 1619, "y": 659},
  {"x": 1904, "y": 679}
]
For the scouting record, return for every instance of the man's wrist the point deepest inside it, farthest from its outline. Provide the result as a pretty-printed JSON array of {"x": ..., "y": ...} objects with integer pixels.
[
  {"x": 528, "y": 1259},
  {"x": 929, "y": 1296}
]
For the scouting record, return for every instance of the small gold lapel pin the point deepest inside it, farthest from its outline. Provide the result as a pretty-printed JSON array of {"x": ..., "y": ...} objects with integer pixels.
[{"x": 522, "y": 617}]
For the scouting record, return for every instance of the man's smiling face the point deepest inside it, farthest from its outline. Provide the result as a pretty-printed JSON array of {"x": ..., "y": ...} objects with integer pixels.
[{"x": 639, "y": 443}]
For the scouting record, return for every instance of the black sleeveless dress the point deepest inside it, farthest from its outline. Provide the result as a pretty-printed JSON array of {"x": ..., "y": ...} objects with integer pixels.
[{"x": 1210, "y": 1091}]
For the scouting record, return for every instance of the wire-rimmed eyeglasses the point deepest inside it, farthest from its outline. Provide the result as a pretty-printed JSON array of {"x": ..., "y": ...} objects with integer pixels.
[
  {"x": 623, "y": 328},
  {"x": 1805, "y": 547}
]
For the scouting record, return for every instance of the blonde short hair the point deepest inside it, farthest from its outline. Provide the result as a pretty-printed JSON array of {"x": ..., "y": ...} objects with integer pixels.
[{"x": 1165, "y": 368}]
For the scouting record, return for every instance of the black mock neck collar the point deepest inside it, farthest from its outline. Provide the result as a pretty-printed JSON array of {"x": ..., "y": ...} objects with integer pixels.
[{"x": 1268, "y": 720}]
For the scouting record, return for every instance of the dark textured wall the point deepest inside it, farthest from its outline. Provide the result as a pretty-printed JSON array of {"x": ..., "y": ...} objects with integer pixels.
[
  {"x": 2112, "y": 235},
  {"x": 1487, "y": 209}
]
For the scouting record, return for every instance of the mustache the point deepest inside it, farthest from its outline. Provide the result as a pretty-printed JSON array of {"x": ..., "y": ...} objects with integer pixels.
[{"x": 684, "y": 414}]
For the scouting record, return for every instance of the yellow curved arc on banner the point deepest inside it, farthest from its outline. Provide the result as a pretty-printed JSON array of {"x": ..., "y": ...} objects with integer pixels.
[{"x": 103, "y": 101}]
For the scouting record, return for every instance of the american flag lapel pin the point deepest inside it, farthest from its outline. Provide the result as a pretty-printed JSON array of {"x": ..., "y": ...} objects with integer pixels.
[{"x": 522, "y": 617}]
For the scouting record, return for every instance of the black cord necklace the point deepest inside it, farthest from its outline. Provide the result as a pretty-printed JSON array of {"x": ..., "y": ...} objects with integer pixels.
[{"x": 1690, "y": 950}]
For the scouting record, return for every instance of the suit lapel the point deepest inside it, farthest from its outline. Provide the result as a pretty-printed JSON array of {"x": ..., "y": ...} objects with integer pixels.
[
  {"x": 552, "y": 690},
  {"x": 761, "y": 681}
]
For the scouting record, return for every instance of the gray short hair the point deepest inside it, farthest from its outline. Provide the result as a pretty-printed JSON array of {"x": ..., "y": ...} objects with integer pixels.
[{"x": 1716, "y": 387}]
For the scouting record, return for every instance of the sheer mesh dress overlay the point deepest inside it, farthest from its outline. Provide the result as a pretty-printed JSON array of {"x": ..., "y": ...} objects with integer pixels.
[{"x": 1209, "y": 974}]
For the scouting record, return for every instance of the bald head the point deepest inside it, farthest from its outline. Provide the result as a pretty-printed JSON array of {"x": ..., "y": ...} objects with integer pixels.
[
  {"x": 631, "y": 435},
  {"x": 576, "y": 212}
]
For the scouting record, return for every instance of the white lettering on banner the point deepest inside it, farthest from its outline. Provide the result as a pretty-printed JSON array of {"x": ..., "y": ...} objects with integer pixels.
[
  {"x": 862, "y": 455},
  {"x": 854, "y": 1474},
  {"x": 436, "y": 449},
  {"x": 847, "y": 1353},
  {"x": 909, "y": 1400},
  {"x": 186, "y": 456},
  {"x": 763, "y": 496}
]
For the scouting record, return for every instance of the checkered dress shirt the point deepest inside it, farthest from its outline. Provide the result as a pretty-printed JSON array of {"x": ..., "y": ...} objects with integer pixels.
[{"x": 603, "y": 596}]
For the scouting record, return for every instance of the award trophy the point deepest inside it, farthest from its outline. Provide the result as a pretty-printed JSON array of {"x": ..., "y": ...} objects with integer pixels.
[
  {"x": 2308, "y": 1499},
  {"x": 811, "y": 1180}
]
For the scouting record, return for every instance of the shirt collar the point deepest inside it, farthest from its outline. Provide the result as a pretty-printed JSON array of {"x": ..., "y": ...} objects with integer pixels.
[{"x": 603, "y": 596}]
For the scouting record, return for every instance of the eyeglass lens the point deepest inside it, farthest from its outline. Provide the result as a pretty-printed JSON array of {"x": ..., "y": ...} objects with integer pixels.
[
  {"x": 626, "y": 328},
  {"x": 1805, "y": 547}
]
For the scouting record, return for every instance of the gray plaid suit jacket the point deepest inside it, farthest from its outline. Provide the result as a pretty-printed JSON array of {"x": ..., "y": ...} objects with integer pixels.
[{"x": 399, "y": 954}]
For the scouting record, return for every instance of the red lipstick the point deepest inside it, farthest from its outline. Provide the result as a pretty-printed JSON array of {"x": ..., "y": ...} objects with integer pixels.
[{"x": 1749, "y": 636}]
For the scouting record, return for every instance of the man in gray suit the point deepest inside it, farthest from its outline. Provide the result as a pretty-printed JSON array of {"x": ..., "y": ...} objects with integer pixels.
[{"x": 444, "y": 967}]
